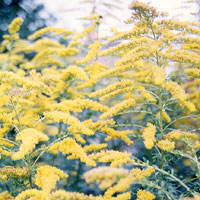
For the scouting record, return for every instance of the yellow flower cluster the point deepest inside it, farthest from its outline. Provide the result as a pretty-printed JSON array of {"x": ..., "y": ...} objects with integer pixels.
[
  {"x": 118, "y": 108},
  {"x": 134, "y": 42},
  {"x": 94, "y": 147},
  {"x": 134, "y": 176},
  {"x": 176, "y": 90},
  {"x": 6, "y": 195},
  {"x": 78, "y": 105},
  {"x": 112, "y": 134},
  {"x": 91, "y": 54},
  {"x": 119, "y": 91},
  {"x": 166, "y": 145},
  {"x": 139, "y": 5},
  {"x": 133, "y": 56},
  {"x": 14, "y": 79},
  {"x": 51, "y": 56},
  {"x": 62, "y": 194},
  {"x": 159, "y": 75},
  {"x": 32, "y": 194},
  {"x": 5, "y": 152},
  {"x": 75, "y": 125},
  {"x": 129, "y": 34},
  {"x": 74, "y": 72},
  {"x": 95, "y": 69},
  {"x": 47, "y": 176},
  {"x": 105, "y": 176},
  {"x": 148, "y": 96},
  {"x": 193, "y": 72},
  {"x": 55, "y": 31},
  {"x": 116, "y": 158},
  {"x": 69, "y": 146},
  {"x": 166, "y": 117},
  {"x": 15, "y": 25},
  {"x": 189, "y": 106},
  {"x": 145, "y": 195},
  {"x": 10, "y": 172},
  {"x": 97, "y": 126},
  {"x": 148, "y": 135},
  {"x": 178, "y": 134},
  {"x": 6, "y": 144},
  {"x": 29, "y": 137},
  {"x": 117, "y": 85}
]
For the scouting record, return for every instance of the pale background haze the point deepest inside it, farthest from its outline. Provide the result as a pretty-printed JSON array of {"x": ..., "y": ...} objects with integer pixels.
[{"x": 68, "y": 12}]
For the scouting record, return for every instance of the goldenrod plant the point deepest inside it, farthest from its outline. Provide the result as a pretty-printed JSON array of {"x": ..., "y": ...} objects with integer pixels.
[{"x": 75, "y": 128}]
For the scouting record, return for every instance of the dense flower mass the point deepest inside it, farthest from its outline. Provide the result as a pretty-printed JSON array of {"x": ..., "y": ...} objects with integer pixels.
[{"x": 90, "y": 118}]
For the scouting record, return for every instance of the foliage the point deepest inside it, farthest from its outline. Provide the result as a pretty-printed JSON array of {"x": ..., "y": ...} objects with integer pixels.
[{"x": 127, "y": 131}]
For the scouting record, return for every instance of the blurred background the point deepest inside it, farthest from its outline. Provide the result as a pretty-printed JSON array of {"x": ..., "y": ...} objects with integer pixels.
[{"x": 67, "y": 13}]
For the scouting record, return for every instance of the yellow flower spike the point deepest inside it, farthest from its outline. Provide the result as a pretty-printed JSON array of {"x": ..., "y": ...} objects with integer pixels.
[
  {"x": 95, "y": 69},
  {"x": 29, "y": 137},
  {"x": 112, "y": 134},
  {"x": 97, "y": 126},
  {"x": 75, "y": 72},
  {"x": 178, "y": 134},
  {"x": 47, "y": 176},
  {"x": 6, "y": 143},
  {"x": 197, "y": 145},
  {"x": 78, "y": 105},
  {"x": 176, "y": 90},
  {"x": 91, "y": 54},
  {"x": 148, "y": 135},
  {"x": 105, "y": 176},
  {"x": 166, "y": 117},
  {"x": 112, "y": 88},
  {"x": 76, "y": 127},
  {"x": 62, "y": 194},
  {"x": 6, "y": 195},
  {"x": 189, "y": 106},
  {"x": 148, "y": 96},
  {"x": 70, "y": 146},
  {"x": 193, "y": 72},
  {"x": 5, "y": 152},
  {"x": 159, "y": 75},
  {"x": 15, "y": 25},
  {"x": 10, "y": 172},
  {"x": 55, "y": 31},
  {"x": 122, "y": 185},
  {"x": 166, "y": 145},
  {"x": 125, "y": 182},
  {"x": 54, "y": 149},
  {"x": 94, "y": 147},
  {"x": 115, "y": 157},
  {"x": 32, "y": 194},
  {"x": 124, "y": 196},
  {"x": 145, "y": 195},
  {"x": 118, "y": 108}
]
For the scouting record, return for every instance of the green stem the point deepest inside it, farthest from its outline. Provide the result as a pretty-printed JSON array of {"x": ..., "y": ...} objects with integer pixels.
[
  {"x": 17, "y": 115},
  {"x": 161, "y": 189},
  {"x": 161, "y": 126},
  {"x": 184, "y": 117},
  {"x": 59, "y": 131},
  {"x": 29, "y": 170},
  {"x": 140, "y": 163},
  {"x": 46, "y": 148}
]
